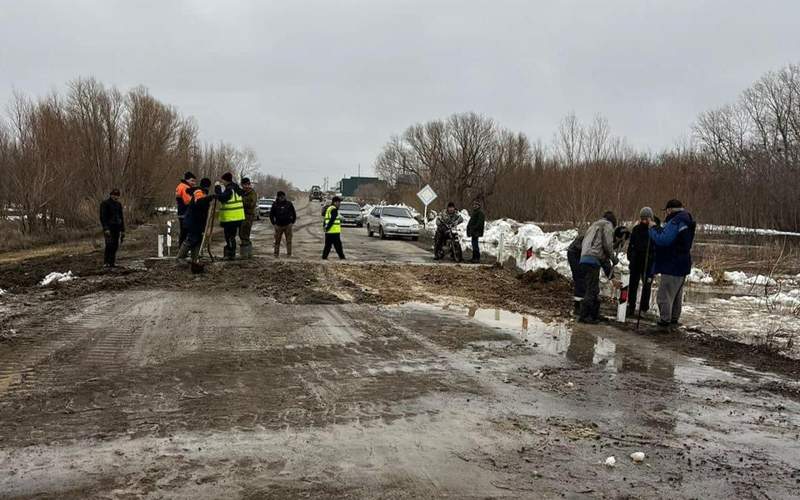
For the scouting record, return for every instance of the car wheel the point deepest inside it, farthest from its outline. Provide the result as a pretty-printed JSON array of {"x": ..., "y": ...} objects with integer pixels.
[
  {"x": 380, "y": 231},
  {"x": 369, "y": 231},
  {"x": 414, "y": 238}
]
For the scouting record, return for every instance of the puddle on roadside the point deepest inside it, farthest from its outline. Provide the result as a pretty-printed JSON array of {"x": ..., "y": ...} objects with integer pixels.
[{"x": 588, "y": 349}]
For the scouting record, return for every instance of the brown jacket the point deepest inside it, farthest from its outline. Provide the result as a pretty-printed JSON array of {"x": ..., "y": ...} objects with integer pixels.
[{"x": 250, "y": 202}]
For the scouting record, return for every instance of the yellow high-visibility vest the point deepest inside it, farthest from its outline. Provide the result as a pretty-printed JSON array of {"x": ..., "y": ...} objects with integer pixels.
[
  {"x": 232, "y": 210},
  {"x": 336, "y": 228}
]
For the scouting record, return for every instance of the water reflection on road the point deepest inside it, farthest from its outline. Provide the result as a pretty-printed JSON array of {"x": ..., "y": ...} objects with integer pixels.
[{"x": 583, "y": 348}]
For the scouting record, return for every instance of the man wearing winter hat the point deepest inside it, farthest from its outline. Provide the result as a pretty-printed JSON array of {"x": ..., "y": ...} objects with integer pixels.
[
  {"x": 641, "y": 254},
  {"x": 598, "y": 246},
  {"x": 673, "y": 246},
  {"x": 231, "y": 211}
]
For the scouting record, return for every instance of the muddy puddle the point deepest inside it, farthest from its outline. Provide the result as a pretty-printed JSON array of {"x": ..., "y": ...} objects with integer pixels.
[{"x": 605, "y": 347}]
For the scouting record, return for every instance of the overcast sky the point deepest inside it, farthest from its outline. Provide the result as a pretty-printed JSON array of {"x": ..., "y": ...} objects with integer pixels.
[{"x": 317, "y": 87}]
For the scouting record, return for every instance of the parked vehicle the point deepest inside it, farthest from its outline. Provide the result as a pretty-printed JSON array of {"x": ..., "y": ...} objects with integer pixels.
[
  {"x": 392, "y": 221},
  {"x": 264, "y": 206},
  {"x": 350, "y": 213},
  {"x": 451, "y": 245},
  {"x": 315, "y": 194}
]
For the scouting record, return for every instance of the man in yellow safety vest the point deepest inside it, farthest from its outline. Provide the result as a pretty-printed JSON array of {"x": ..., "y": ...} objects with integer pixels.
[
  {"x": 333, "y": 229},
  {"x": 231, "y": 211}
]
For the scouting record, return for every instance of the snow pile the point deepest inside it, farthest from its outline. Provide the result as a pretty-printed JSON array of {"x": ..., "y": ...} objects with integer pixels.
[
  {"x": 699, "y": 276},
  {"x": 789, "y": 299},
  {"x": 741, "y": 279},
  {"x": 713, "y": 228},
  {"x": 56, "y": 277}
]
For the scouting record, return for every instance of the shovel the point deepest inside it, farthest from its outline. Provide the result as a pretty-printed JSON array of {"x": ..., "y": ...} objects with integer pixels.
[{"x": 196, "y": 266}]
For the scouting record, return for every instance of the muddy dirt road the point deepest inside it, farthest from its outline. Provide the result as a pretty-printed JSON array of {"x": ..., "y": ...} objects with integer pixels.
[{"x": 298, "y": 379}]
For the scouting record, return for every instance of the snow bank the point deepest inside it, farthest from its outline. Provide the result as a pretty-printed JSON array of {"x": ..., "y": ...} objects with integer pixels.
[
  {"x": 699, "y": 276},
  {"x": 57, "y": 278},
  {"x": 713, "y": 228},
  {"x": 741, "y": 279}
]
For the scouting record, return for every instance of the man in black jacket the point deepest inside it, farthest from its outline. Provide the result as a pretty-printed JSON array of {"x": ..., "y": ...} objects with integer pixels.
[
  {"x": 282, "y": 216},
  {"x": 641, "y": 255},
  {"x": 475, "y": 227},
  {"x": 113, "y": 222}
]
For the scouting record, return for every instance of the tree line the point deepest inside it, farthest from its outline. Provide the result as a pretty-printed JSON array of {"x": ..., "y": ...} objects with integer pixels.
[
  {"x": 740, "y": 166},
  {"x": 61, "y": 154}
]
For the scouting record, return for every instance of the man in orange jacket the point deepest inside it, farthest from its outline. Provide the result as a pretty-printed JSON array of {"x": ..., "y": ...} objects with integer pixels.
[{"x": 183, "y": 196}]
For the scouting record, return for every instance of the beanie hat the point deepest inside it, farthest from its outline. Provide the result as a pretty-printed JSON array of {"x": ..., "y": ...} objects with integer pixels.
[
  {"x": 646, "y": 213},
  {"x": 114, "y": 192},
  {"x": 227, "y": 177},
  {"x": 188, "y": 175},
  {"x": 245, "y": 180}
]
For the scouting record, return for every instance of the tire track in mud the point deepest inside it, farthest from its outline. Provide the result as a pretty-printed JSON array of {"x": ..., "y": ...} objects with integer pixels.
[{"x": 37, "y": 362}]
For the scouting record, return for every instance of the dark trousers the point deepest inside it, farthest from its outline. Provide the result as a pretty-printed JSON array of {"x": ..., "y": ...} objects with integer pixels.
[
  {"x": 476, "y": 249},
  {"x": 182, "y": 231},
  {"x": 578, "y": 280},
  {"x": 590, "y": 305},
  {"x": 334, "y": 240},
  {"x": 230, "y": 229},
  {"x": 637, "y": 276},
  {"x": 112, "y": 245}
]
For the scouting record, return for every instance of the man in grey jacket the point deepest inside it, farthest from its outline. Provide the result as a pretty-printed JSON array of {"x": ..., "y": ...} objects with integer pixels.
[{"x": 598, "y": 246}]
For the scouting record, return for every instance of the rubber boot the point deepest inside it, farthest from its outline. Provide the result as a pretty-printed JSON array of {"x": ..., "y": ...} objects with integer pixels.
[
  {"x": 246, "y": 251},
  {"x": 183, "y": 251}
]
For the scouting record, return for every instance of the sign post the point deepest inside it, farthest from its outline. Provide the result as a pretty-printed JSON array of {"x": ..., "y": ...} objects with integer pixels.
[{"x": 426, "y": 196}]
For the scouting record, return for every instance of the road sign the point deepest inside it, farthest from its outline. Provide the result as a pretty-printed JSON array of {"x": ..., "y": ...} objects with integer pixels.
[{"x": 426, "y": 195}]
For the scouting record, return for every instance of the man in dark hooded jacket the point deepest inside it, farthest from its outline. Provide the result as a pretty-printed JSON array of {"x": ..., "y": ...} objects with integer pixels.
[
  {"x": 673, "y": 244},
  {"x": 195, "y": 220},
  {"x": 641, "y": 254}
]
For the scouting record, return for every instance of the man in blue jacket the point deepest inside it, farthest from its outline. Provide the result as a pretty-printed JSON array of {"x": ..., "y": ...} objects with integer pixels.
[{"x": 673, "y": 245}]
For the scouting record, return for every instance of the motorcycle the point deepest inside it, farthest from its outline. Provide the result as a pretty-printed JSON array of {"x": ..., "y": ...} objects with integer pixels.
[{"x": 450, "y": 245}]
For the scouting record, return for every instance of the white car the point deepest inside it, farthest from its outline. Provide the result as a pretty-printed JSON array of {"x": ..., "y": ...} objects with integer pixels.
[
  {"x": 392, "y": 221},
  {"x": 264, "y": 206}
]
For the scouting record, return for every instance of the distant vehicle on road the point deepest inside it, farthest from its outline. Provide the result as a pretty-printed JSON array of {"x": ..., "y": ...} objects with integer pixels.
[
  {"x": 392, "y": 221},
  {"x": 350, "y": 213},
  {"x": 264, "y": 206},
  {"x": 315, "y": 194}
]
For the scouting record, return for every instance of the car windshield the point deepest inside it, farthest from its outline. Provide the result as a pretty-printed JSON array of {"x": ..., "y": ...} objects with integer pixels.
[
  {"x": 350, "y": 207},
  {"x": 396, "y": 212}
]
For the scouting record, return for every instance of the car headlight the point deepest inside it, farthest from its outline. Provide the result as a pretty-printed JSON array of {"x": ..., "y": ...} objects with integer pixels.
[{"x": 389, "y": 224}]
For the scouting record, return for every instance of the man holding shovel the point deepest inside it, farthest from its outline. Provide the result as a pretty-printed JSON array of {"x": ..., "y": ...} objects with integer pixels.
[{"x": 195, "y": 220}]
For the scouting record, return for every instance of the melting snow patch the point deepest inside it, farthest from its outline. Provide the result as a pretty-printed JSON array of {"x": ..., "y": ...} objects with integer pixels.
[
  {"x": 699, "y": 276},
  {"x": 637, "y": 456},
  {"x": 2, "y": 292},
  {"x": 611, "y": 461},
  {"x": 740, "y": 278},
  {"x": 57, "y": 278}
]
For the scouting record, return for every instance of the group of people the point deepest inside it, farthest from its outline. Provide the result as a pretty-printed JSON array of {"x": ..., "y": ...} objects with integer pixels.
[
  {"x": 653, "y": 249},
  {"x": 238, "y": 210}
]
